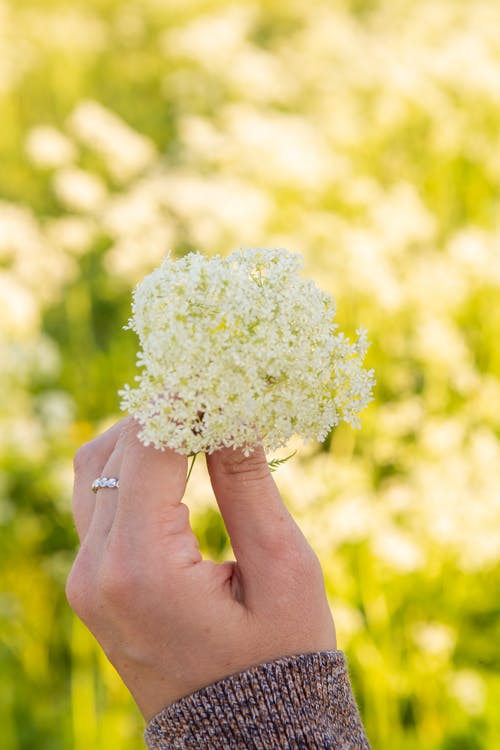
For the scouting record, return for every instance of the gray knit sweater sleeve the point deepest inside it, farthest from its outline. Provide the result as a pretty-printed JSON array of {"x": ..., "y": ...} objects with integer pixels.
[{"x": 300, "y": 702}]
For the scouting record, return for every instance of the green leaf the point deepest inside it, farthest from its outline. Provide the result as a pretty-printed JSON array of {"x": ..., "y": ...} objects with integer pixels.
[{"x": 277, "y": 462}]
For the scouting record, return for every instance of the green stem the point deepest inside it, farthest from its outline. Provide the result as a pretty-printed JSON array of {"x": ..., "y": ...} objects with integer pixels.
[{"x": 190, "y": 469}]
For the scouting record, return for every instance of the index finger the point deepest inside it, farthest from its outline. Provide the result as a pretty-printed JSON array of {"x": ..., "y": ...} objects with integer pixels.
[{"x": 152, "y": 484}]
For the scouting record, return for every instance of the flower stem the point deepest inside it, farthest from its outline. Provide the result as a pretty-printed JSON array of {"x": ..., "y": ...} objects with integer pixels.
[{"x": 190, "y": 469}]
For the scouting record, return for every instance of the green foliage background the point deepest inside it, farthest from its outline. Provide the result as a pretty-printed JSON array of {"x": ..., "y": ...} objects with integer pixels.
[{"x": 364, "y": 134}]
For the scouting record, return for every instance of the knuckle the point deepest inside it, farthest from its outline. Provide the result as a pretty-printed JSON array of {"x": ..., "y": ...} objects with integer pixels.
[
  {"x": 299, "y": 584},
  {"x": 129, "y": 433},
  {"x": 279, "y": 550},
  {"x": 251, "y": 467},
  {"x": 175, "y": 519},
  {"x": 298, "y": 561},
  {"x": 312, "y": 567},
  {"x": 83, "y": 456},
  {"x": 307, "y": 562},
  {"x": 117, "y": 580},
  {"x": 72, "y": 590},
  {"x": 78, "y": 589}
]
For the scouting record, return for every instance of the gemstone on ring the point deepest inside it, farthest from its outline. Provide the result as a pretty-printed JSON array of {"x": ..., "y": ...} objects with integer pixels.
[{"x": 101, "y": 482}]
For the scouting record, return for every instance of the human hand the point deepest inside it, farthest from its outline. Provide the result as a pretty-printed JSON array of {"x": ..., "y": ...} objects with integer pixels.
[{"x": 169, "y": 621}]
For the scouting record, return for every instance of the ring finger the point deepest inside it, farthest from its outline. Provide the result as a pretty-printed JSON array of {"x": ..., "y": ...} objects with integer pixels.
[
  {"x": 90, "y": 461},
  {"x": 107, "y": 497}
]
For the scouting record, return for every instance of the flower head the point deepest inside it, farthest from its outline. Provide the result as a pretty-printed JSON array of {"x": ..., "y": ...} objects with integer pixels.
[{"x": 240, "y": 350}]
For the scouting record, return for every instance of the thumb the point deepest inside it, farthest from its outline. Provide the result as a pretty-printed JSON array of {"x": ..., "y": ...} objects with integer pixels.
[{"x": 262, "y": 531}]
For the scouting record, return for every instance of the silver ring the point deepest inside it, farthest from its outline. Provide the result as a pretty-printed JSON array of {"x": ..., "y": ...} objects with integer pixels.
[{"x": 101, "y": 482}]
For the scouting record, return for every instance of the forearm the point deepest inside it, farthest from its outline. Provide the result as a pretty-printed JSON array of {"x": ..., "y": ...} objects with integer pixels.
[{"x": 300, "y": 702}]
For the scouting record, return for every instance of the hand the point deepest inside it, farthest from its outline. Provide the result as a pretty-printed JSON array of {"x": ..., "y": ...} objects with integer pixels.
[{"x": 169, "y": 621}]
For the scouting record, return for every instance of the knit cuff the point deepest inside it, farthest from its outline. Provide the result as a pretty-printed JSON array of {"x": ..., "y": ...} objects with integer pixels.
[{"x": 302, "y": 702}]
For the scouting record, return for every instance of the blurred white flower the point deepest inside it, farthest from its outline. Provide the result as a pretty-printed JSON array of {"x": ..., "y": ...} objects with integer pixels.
[
  {"x": 457, "y": 483},
  {"x": 350, "y": 519},
  {"x": 282, "y": 148},
  {"x": 20, "y": 313},
  {"x": 22, "y": 435},
  {"x": 60, "y": 474},
  {"x": 301, "y": 482},
  {"x": 77, "y": 30},
  {"x": 441, "y": 344},
  {"x": 348, "y": 621},
  {"x": 435, "y": 638},
  {"x": 397, "y": 548},
  {"x": 47, "y": 147},
  {"x": 477, "y": 252},
  {"x": 79, "y": 190},
  {"x": 214, "y": 205},
  {"x": 468, "y": 687},
  {"x": 447, "y": 63},
  {"x": 19, "y": 234},
  {"x": 435, "y": 285},
  {"x": 23, "y": 358},
  {"x": 402, "y": 219},
  {"x": 141, "y": 228},
  {"x": 131, "y": 212},
  {"x": 44, "y": 357},
  {"x": 124, "y": 151},
  {"x": 74, "y": 234},
  {"x": 398, "y": 498},
  {"x": 211, "y": 39},
  {"x": 442, "y": 436},
  {"x": 241, "y": 350},
  {"x": 400, "y": 418},
  {"x": 56, "y": 409},
  {"x": 370, "y": 270},
  {"x": 28, "y": 255},
  {"x": 202, "y": 140},
  {"x": 261, "y": 75},
  {"x": 133, "y": 256},
  {"x": 16, "y": 53}
]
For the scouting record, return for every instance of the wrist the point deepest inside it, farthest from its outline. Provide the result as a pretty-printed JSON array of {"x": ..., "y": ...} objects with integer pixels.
[{"x": 299, "y": 697}]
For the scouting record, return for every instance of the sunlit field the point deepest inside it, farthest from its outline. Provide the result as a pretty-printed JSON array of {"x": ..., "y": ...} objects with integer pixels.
[{"x": 364, "y": 134}]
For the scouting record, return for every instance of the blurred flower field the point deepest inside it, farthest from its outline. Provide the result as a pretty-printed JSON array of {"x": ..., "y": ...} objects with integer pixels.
[{"x": 364, "y": 134}]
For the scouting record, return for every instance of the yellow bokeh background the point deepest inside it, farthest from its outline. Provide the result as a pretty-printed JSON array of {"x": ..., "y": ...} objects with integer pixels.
[{"x": 364, "y": 134}]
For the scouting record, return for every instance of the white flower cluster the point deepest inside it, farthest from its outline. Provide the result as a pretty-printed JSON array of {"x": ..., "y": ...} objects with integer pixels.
[{"x": 240, "y": 350}]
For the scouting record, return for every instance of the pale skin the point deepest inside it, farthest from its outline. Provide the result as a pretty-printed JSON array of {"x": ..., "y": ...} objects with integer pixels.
[{"x": 168, "y": 620}]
